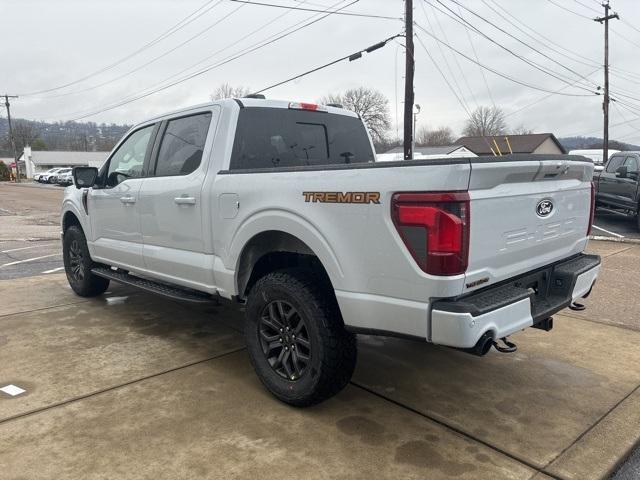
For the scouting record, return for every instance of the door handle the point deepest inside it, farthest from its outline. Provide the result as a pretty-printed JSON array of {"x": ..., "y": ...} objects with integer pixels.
[
  {"x": 127, "y": 199},
  {"x": 185, "y": 200}
]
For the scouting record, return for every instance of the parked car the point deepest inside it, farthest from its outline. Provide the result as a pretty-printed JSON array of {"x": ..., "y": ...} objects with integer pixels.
[
  {"x": 617, "y": 185},
  {"x": 64, "y": 176},
  {"x": 595, "y": 155},
  {"x": 45, "y": 176},
  {"x": 281, "y": 207}
]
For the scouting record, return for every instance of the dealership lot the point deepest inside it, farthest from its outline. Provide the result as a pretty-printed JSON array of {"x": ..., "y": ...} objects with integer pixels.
[{"x": 129, "y": 384}]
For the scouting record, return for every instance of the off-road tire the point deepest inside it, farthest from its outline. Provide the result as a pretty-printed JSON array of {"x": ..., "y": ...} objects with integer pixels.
[
  {"x": 78, "y": 264},
  {"x": 332, "y": 351}
]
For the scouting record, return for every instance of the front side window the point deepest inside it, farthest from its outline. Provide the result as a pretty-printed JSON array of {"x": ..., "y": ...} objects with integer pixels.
[
  {"x": 182, "y": 145},
  {"x": 278, "y": 137},
  {"x": 614, "y": 163},
  {"x": 128, "y": 160},
  {"x": 632, "y": 165}
]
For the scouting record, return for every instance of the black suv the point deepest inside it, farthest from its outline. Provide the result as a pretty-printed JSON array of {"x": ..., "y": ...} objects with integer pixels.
[{"x": 617, "y": 184}]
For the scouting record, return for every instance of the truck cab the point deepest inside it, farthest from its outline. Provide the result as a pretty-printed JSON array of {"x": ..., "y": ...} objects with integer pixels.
[{"x": 617, "y": 185}]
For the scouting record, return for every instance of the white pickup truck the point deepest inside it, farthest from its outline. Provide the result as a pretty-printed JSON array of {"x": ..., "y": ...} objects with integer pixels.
[{"x": 281, "y": 206}]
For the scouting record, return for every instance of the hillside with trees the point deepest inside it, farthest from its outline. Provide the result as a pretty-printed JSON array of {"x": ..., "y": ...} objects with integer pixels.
[{"x": 67, "y": 136}]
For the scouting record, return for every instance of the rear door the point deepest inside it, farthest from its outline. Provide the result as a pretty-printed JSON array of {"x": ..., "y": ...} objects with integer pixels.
[
  {"x": 525, "y": 214},
  {"x": 171, "y": 202},
  {"x": 113, "y": 206}
]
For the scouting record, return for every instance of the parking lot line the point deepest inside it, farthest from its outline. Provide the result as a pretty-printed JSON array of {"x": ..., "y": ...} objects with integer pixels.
[
  {"x": 54, "y": 270},
  {"x": 607, "y": 231},
  {"x": 26, "y": 248},
  {"x": 29, "y": 260}
]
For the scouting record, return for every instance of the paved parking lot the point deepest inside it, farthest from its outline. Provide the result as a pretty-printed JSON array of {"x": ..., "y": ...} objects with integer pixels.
[
  {"x": 608, "y": 223},
  {"x": 129, "y": 385}
]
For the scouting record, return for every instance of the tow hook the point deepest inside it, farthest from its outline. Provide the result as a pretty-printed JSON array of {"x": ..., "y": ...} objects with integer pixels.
[
  {"x": 578, "y": 307},
  {"x": 508, "y": 347}
]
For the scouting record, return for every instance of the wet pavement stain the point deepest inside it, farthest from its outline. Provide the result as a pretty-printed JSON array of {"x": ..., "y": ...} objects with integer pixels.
[
  {"x": 423, "y": 454},
  {"x": 369, "y": 431}
]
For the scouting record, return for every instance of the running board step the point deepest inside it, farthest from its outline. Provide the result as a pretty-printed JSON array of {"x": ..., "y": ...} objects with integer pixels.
[{"x": 175, "y": 293}]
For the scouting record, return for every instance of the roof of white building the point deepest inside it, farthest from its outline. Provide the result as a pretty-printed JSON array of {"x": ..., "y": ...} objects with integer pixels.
[{"x": 68, "y": 158}]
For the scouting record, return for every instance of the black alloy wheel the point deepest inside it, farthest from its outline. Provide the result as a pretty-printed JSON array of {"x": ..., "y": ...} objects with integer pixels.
[{"x": 285, "y": 340}]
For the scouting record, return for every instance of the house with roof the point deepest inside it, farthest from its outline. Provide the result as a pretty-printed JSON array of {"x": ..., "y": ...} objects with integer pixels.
[
  {"x": 533, "y": 143},
  {"x": 40, "y": 161},
  {"x": 424, "y": 153}
]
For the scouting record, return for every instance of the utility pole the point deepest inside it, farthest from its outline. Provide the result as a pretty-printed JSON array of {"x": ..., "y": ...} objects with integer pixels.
[
  {"x": 11, "y": 139},
  {"x": 408, "y": 81},
  {"x": 605, "y": 103}
]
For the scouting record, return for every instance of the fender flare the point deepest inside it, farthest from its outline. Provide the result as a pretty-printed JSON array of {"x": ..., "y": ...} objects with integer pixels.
[{"x": 293, "y": 224}]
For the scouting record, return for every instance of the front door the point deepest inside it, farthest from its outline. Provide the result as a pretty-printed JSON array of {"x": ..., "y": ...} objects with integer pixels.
[
  {"x": 116, "y": 237},
  {"x": 171, "y": 204},
  {"x": 629, "y": 185}
]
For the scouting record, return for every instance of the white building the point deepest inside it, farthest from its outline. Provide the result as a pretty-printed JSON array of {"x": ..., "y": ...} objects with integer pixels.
[
  {"x": 425, "y": 153},
  {"x": 40, "y": 161}
]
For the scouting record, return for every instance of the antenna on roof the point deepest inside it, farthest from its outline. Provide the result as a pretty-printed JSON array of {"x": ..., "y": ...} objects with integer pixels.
[{"x": 255, "y": 95}]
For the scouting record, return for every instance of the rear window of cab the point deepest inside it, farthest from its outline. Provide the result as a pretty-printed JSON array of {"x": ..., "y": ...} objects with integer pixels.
[{"x": 268, "y": 138}]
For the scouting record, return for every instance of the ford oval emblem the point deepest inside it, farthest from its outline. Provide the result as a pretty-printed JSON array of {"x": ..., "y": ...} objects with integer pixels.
[{"x": 544, "y": 208}]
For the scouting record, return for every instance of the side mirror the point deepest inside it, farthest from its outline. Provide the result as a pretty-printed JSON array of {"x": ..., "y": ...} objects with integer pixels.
[
  {"x": 621, "y": 172},
  {"x": 85, "y": 177}
]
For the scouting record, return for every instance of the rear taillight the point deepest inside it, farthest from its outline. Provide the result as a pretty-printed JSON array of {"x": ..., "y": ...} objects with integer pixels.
[
  {"x": 593, "y": 207},
  {"x": 435, "y": 229}
]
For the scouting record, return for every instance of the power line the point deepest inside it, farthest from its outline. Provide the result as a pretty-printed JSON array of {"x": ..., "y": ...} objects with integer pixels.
[
  {"x": 153, "y": 60},
  {"x": 500, "y": 74},
  {"x": 545, "y": 97},
  {"x": 176, "y": 27},
  {"x": 351, "y": 57},
  {"x": 444, "y": 77},
  {"x": 455, "y": 58},
  {"x": 569, "y": 10},
  {"x": 452, "y": 76},
  {"x": 208, "y": 68},
  {"x": 548, "y": 41},
  {"x": 587, "y": 6},
  {"x": 534, "y": 64},
  {"x": 475, "y": 54},
  {"x": 353, "y": 14}
]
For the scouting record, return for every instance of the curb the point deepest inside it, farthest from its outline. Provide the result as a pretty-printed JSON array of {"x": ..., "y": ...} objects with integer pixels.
[{"x": 603, "y": 238}]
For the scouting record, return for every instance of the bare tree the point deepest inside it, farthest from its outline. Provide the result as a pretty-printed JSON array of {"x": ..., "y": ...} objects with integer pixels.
[
  {"x": 226, "y": 90},
  {"x": 485, "y": 121},
  {"x": 24, "y": 134},
  {"x": 434, "y": 138},
  {"x": 370, "y": 104},
  {"x": 521, "y": 130}
]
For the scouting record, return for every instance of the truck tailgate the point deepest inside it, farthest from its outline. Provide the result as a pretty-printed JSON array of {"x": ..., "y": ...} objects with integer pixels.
[{"x": 525, "y": 214}]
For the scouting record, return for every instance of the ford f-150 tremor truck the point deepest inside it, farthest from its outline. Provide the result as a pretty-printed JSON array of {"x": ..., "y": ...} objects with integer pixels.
[{"x": 281, "y": 206}]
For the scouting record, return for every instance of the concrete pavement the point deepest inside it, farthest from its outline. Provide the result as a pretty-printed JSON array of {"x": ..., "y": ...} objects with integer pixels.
[{"x": 130, "y": 385}]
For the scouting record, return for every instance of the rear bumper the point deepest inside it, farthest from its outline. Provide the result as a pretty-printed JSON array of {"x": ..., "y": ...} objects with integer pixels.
[{"x": 513, "y": 305}]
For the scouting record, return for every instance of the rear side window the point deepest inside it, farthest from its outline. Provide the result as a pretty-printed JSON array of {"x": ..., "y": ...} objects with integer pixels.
[
  {"x": 182, "y": 145},
  {"x": 614, "y": 163},
  {"x": 278, "y": 137}
]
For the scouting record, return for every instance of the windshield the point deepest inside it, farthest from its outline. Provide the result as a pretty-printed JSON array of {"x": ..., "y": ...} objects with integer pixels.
[{"x": 278, "y": 137}]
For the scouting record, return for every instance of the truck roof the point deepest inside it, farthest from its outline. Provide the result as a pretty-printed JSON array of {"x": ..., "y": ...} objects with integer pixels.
[{"x": 247, "y": 103}]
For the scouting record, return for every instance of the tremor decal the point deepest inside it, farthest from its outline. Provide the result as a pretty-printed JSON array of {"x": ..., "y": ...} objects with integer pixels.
[{"x": 342, "y": 197}]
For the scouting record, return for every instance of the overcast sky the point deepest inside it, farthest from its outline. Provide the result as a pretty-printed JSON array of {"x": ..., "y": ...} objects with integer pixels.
[{"x": 46, "y": 44}]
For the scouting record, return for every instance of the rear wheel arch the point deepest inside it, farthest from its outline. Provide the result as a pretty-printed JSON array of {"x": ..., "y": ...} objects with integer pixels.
[{"x": 274, "y": 250}]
